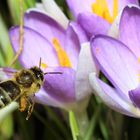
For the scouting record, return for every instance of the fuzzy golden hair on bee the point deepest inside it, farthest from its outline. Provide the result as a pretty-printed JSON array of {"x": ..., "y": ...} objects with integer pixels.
[
  {"x": 24, "y": 84},
  {"x": 21, "y": 87}
]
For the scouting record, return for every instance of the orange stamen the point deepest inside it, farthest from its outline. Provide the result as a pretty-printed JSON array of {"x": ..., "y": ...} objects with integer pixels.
[
  {"x": 100, "y": 7},
  {"x": 61, "y": 53},
  {"x": 43, "y": 65}
]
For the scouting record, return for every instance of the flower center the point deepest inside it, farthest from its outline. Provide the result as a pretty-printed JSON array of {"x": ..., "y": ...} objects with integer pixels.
[
  {"x": 100, "y": 7},
  {"x": 61, "y": 53}
]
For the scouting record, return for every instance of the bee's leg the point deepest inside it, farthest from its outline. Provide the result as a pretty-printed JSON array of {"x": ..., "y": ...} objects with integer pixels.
[
  {"x": 23, "y": 103},
  {"x": 30, "y": 108}
]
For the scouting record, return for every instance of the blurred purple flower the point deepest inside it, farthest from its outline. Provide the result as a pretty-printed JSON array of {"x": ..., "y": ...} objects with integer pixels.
[
  {"x": 96, "y": 16},
  {"x": 6, "y": 73},
  {"x": 60, "y": 50},
  {"x": 119, "y": 60}
]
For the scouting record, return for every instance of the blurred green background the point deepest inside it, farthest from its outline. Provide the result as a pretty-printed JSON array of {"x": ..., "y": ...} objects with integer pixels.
[{"x": 47, "y": 123}]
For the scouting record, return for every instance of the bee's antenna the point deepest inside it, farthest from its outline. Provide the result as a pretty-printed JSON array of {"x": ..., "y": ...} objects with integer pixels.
[
  {"x": 52, "y": 73},
  {"x": 48, "y": 72},
  {"x": 40, "y": 62}
]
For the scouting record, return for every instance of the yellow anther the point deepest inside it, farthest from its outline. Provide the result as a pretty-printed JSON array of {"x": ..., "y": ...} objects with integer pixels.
[
  {"x": 43, "y": 65},
  {"x": 139, "y": 59},
  {"x": 61, "y": 53},
  {"x": 115, "y": 9},
  {"x": 100, "y": 7}
]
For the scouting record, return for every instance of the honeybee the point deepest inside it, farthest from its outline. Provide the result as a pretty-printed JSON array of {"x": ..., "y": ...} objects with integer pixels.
[{"x": 21, "y": 87}]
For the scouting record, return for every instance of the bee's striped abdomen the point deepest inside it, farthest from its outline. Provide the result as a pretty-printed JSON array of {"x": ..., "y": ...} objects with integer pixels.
[{"x": 9, "y": 90}]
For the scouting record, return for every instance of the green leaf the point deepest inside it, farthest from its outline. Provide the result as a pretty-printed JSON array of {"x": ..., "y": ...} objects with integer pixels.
[
  {"x": 30, "y": 3},
  {"x": 73, "y": 125},
  {"x": 92, "y": 124},
  {"x": 6, "y": 127},
  {"x": 2, "y": 62},
  {"x": 104, "y": 129},
  {"x": 6, "y": 53},
  {"x": 54, "y": 117},
  {"x": 14, "y": 6}
]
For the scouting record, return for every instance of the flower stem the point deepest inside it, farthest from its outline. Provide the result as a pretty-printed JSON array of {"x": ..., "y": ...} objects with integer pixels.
[
  {"x": 78, "y": 124},
  {"x": 83, "y": 122}
]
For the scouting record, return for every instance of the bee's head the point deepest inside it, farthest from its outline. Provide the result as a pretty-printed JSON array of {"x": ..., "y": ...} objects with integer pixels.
[{"x": 39, "y": 75}]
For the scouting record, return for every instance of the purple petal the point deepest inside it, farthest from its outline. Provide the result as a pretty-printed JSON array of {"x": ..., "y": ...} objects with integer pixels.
[
  {"x": 111, "y": 98},
  {"x": 121, "y": 4},
  {"x": 6, "y": 73},
  {"x": 61, "y": 86},
  {"x": 79, "y": 31},
  {"x": 78, "y": 6},
  {"x": 72, "y": 46},
  {"x": 43, "y": 97},
  {"x": 117, "y": 62},
  {"x": 50, "y": 29},
  {"x": 93, "y": 24},
  {"x": 45, "y": 25},
  {"x": 35, "y": 47},
  {"x": 130, "y": 29},
  {"x": 135, "y": 96}
]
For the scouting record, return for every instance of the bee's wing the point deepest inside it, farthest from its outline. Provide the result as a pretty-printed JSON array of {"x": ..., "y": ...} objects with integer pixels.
[{"x": 6, "y": 73}]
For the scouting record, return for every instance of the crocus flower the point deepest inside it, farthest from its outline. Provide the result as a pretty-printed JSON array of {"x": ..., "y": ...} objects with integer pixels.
[
  {"x": 60, "y": 50},
  {"x": 96, "y": 16},
  {"x": 120, "y": 63}
]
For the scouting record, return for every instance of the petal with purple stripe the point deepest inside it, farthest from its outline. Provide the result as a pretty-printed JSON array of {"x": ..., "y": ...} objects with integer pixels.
[
  {"x": 104, "y": 7},
  {"x": 79, "y": 6},
  {"x": 130, "y": 29},
  {"x": 117, "y": 62},
  {"x": 61, "y": 86},
  {"x": 93, "y": 24},
  {"x": 35, "y": 47},
  {"x": 79, "y": 31},
  {"x": 44, "y": 98},
  {"x": 135, "y": 96},
  {"x": 72, "y": 46},
  {"x": 110, "y": 96},
  {"x": 45, "y": 25}
]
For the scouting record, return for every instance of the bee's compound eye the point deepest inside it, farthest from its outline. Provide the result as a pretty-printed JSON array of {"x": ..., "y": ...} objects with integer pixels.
[
  {"x": 25, "y": 79},
  {"x": 38, "y": 73}
]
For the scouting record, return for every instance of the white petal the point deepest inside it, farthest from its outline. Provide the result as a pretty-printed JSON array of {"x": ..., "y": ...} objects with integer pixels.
[
  {"x": 55, "y": 12},
  {"x": 111, "y": 98},
  {"x": 40, "y": 6},
  {"x": 114, "y": 29},
  {"x": 86, "y": 65}
]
